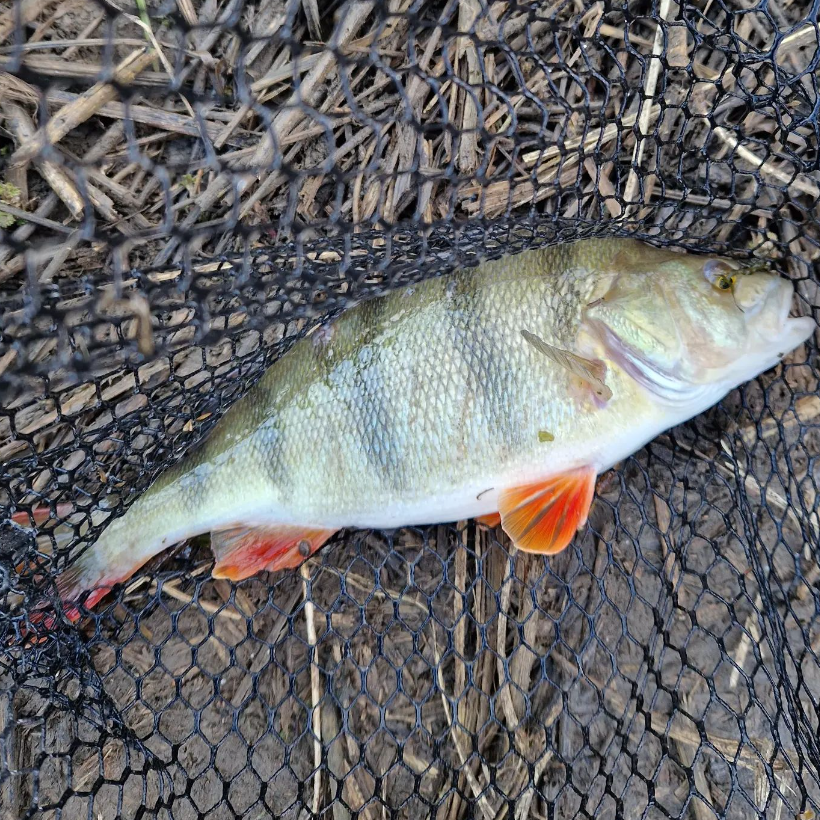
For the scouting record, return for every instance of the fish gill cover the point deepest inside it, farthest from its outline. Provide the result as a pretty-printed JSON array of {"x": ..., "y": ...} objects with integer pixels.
[{"x": 185, "y": 187}]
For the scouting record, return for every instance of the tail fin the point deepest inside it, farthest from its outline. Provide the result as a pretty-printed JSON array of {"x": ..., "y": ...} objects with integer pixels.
[
  {"x": 95, "y": 573},
  {"x": 86, "y": 575},
  {"x": 83, "y": 576}
]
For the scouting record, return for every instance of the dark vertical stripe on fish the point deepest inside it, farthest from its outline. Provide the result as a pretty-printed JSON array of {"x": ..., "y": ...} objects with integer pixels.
[{"x": 464, "y": 327}]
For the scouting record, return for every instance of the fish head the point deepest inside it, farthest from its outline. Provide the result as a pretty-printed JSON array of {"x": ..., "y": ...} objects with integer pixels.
[{"x": 692, "y": 323}]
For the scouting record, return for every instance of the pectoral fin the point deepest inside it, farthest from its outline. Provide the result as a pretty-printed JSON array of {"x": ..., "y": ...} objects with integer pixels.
[
  {"x": 544, "y": 517},
  {"x": 243, "y": 551},
  {"x": 589, "y": 371}
]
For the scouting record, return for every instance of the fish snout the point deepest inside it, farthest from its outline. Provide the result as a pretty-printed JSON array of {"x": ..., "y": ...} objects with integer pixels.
[{"x": 766, "y": 302}]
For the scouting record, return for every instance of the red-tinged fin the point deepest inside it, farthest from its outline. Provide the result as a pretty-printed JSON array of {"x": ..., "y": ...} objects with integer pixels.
[
  {"x": 244, "y": 551},
  {"x": 86, "y": 575},
  {"x": 41, "y": 514},
  {"x": 544, "y": 517},
  {"x": 491, "y": 520}
]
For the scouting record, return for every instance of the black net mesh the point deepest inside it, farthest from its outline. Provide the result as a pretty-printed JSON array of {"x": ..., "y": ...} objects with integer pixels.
[{"x": 185, "y": 186}]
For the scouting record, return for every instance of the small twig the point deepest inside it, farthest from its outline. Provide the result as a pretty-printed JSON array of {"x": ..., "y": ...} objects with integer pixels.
[
  {"x": 312, "y": 14},
  {"x": 84, "y": 107},
  {"x": 797, "y": 182},
  {"x": 486, "y": 809},
  {"x": 22, "y": 127},
  {"x": 186, "y": 7},
  {"x": 37, "y": 220},
  {"x": 501, "y": 640},
  {"x": 60, "y": 255},
  {"x": 83, "y": 37},
  {"x": 315, "y": 687},
  {"x": 171, "y": 589},
  {"x": 458, "y": 610},
  {"x": 646, "y": 108}
]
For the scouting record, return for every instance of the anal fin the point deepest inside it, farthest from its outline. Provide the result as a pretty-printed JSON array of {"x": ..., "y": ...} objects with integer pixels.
[
  {"x": 543, "y": 517},
  {"x": 489, "y": 520},
  {"x": 243, "y": 551}
]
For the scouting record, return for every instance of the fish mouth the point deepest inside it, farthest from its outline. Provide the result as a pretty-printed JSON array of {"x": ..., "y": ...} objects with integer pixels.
[{"x": 775, "y": 324}]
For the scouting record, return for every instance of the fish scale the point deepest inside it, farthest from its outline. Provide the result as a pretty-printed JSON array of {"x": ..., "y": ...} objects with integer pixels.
[{"x": 428, "y": 405}]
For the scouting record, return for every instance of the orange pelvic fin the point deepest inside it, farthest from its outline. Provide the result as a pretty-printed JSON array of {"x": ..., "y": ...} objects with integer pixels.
[
  {"x": 544, "y": 517},
  {"x": 490, "y": 520},
  {"x": 243, "y": 551}
]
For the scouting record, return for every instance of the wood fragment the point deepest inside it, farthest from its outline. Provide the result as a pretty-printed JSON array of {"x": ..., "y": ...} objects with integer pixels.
[
  {"x": 311, "y": 8},
  {"x": 468, "y": 11},
  {"x": 798, "y": 183},
  {"x": 285, "y": 74},
  {"x": 187, "y": 10},
  {"x": 59, "y": 66},
  {"x": 22, "y": 127},
  {"x": 507, "y": 706},
  {"x": 646, "y": 109},
  {"x": 315, "y": 686},
  {"x": 85, "y": 106},
  {"x": 805, "y": 34},
  {"x": 677, "y": 55}
]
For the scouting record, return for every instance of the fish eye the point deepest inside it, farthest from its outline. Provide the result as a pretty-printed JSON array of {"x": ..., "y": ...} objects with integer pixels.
[{"x": 719, "y": 275}]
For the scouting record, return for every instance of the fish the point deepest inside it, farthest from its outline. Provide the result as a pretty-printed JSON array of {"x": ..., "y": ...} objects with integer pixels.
[{"x": 497, "y": 392}]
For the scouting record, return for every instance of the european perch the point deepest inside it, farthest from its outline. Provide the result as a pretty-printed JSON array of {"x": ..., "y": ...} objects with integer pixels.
[{"x": 498, "y": 392}]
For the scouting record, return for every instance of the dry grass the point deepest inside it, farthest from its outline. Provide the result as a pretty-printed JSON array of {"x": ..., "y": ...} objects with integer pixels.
[
  {"x": 494, "y": 684},
  {"x": 358, "y": 109}
]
